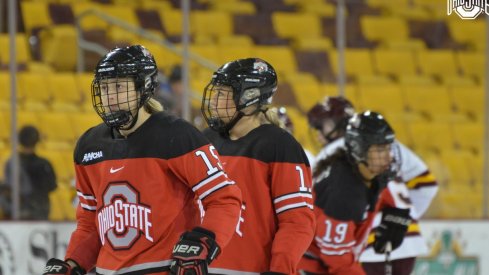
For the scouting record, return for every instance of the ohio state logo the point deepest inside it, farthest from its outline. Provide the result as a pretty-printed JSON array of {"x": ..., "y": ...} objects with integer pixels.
[{"x": 123, "y": 219}]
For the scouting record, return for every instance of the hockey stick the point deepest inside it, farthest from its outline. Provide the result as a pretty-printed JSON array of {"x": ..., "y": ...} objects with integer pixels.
[{"x": 388, "y": 263}]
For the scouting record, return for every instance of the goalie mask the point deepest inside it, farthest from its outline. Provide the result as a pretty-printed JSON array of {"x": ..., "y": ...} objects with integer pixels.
[
  {"x": 235, "y": 86},
  {"x": 125, "y": 79}
]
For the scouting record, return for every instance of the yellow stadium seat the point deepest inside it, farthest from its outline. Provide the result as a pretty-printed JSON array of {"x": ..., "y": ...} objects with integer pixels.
[
  {"x": 281, "y": 57},
  {"x": 33, "y": 94},
  {"x": 416, "y": 80},
  {"x": 230, "y": 41},
  {"x": 207, "y": 52},
  {"x": 434, "y": 102},
  {"x": 350, "y": 92},
  {"x": 431, "y": 136},
  {"x": 39, "y": 67},
  {"x": 306, "y": 90},
  {"x": 156, "y": 5},
  {"x": 21, "y": 47},
  {"x": 62, "y": 162},
  {"x": 404, "y": 45},
  {"x": 312, "y": 44},
  {"x": 234, "y": 7},
  {"x": 65, "y": 91},
  {"x": 467, "y": 31},
  {"x": 165, "y": 58},
  {"x": 89, "y": 22},
  {"x": 27, "y": 118},
  {"x": 392, "y": 62},
  {"x": 227, "y": 53},
  {"x": 458, "y": 81},
  {"x": 472, "y": 63},
  {"x": 291, "y": 25},
  {"x": 127, "y": 15},
  {"x": 169, "y": 17},
  {"x": 41, "y": 12},
  {"x": 211, "y": 23},
  {"x": 318, "y": 7},
  {"x": 56, "y": 40},
  {"x": 4, "y": 156},
  {"x": 376, "y": 28},
  {"x": 458, "y": 163},
  {"x": 57, "y": 130},
  {"x": 437, "y": 62},
  {"x": 56, "y": 208},
  {"x": 357, "y": 62},
  {"x": 82, "y": 122},
  {"x": 469, "y": 100},
  {"x": 469, "y": 136},
  {"x": 386, "y": 99},
  {"x": 376, "y": 79}
]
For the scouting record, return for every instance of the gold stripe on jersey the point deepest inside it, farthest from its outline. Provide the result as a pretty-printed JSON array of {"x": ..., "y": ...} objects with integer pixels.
[{"x": 422, "y": 180}]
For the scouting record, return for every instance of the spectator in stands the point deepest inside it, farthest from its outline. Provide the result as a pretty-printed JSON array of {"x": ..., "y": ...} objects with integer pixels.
[
  {"x": 329, "y": 118},
  {"x": 170, "y": 93},
  {"x": 37, "y": 178}
]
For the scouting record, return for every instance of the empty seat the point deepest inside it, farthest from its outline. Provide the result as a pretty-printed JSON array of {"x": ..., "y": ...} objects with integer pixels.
[
  {"x": 472, "y": 63},
  {"x": 233, "y": 7},
  {"x": 392, "y": 62},
  {"x": 292, "y": 25},
  {"x": 376, "y": 28},
  {"x": 469, "y": 100},
  {"x": 468, "y": 32},
  {"x": 65, "y": 91},
  {"x": 227, "y": 53},
  {"x": 35, "y": 15},
  {"x": 469, "y": 136},
  {"x": 33, "y": 94},
  {"x": 431, "y": 136},
  {"x": 306, "y": 90},
  {"x": 169, "y": 17},
  {"x": 21, "y": 47},
  {"x": 57, "y": 130},
  {"x": 386, "y": 99},
  {"x": 433, "y": 102},
  {"x": 89, "y": 22},
  {"x": 437, "y": 62},
  {"x": 211, "y": 23},
  {"x": 357, "y": 62},
  {"x": 81, "y": 122},
  {"x": 55, "y": 40},
  {"x": 281, "y": 58}
]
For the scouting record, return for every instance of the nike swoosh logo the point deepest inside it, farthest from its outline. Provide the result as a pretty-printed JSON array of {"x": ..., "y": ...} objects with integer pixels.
[{"x": 112, "y": 170}]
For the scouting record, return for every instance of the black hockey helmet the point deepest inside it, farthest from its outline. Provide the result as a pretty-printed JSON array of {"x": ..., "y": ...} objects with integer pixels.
[
  {"x": 335, "y": 108},
  {"x": 252, "y": 80},
  {"x": 364, "y": 130},
  {"x": 134, "y": 62}
]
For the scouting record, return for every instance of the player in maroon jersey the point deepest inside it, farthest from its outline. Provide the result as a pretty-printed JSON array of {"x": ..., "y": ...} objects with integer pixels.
[
  {"x": 137, "y": 175},
  {"x": 348, "y": 185},
  {"x": 270, "y": 167}
]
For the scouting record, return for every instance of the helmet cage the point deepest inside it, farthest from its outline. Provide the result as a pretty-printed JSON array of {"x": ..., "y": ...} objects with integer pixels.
[{"x": 119, "y": 67}]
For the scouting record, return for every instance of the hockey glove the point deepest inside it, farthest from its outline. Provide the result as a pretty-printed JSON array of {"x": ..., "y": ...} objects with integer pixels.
[
  {"x": 194, "y": 252},
  {"x": 392, "y": 228},
  {"x": 57, "y": 266}
]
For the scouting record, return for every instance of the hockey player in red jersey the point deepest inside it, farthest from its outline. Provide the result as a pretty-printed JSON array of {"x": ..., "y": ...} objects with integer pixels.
[
  {"x": 346, "y": 190},
  {"x": 277, "y": 222},
  {"x": 137, "y": 175},
  {"x": 329, "y": 118}
]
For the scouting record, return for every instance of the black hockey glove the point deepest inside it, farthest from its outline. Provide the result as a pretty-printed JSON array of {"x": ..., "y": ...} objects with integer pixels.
[
  {"x": 392, "y": 228},
  {"x": 194, "y": 252},
  {"x": 57, "y": 266}
]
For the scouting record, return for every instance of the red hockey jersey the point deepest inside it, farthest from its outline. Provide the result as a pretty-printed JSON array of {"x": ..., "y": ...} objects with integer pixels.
[
  {"x": 276, "y": 222},
  {"x": 137, "y": 195}
]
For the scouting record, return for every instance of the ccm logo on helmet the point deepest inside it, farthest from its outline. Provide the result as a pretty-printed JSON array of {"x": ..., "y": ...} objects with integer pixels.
[
  {"x": 53, "y": 268},
  {"x": 183, "y": 248}
]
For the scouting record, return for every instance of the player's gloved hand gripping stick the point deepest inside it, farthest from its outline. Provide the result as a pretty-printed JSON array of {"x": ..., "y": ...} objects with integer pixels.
[
  {"x": 392, "y": 228},
  {"x": 194, "y": 252},
  {"x": 57, "y": 266}
]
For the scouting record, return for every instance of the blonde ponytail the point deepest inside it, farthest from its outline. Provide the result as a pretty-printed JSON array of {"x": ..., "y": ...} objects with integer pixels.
[
  {"x": 271, "y": 115},
  {"x": 153, "y": 106}
]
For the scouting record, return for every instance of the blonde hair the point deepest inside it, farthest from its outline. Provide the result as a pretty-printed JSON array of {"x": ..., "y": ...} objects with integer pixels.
[
  {"x": 153, "y": 106},
  {"x": 271, "y": 115}
]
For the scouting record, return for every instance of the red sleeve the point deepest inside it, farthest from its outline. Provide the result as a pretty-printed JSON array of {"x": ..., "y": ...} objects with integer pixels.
[
  {"x": 395, "y": 195},
  {"x": 292, "y": 198},
  {"x": 221, "y": 198},
  {"x": 337, "y": 243},
  {"x": 84, "y": 244}
]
